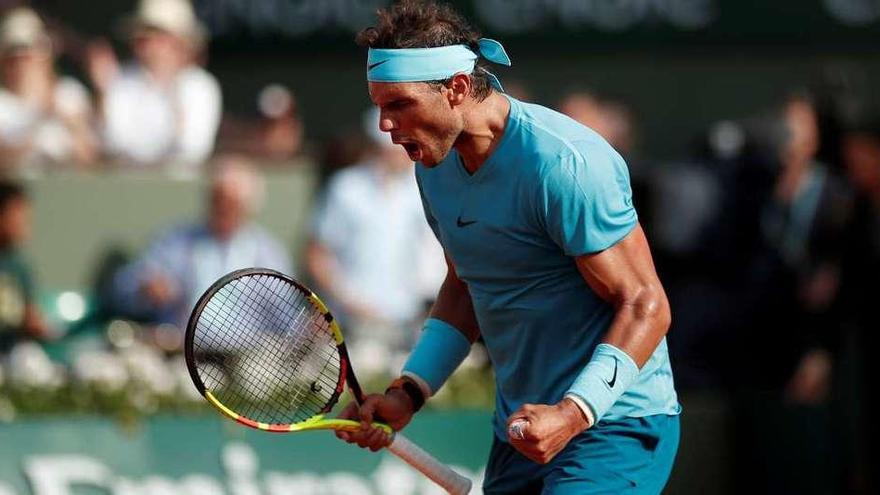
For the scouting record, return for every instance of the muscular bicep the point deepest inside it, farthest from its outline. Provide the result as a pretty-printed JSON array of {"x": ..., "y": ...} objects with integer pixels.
[
  {"x": 624, "y": 276},
  {"x": 622, "y": 269},
  {"x": 454, "y": 304}
]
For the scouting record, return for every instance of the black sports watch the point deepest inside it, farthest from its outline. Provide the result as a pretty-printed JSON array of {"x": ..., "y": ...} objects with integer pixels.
[{"x": 410, "y": 388}]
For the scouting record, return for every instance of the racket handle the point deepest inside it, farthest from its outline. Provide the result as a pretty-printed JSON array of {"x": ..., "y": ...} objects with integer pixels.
[{"x": 438, "y": 472}]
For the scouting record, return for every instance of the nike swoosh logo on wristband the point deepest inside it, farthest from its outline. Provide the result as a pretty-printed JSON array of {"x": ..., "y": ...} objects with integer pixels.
[{"x": 613, "y": 377}]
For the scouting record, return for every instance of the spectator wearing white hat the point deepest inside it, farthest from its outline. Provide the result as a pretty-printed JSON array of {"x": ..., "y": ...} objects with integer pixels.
[
  {"x": 44, "y": 117},
  {"x": 161, "y": 107}
]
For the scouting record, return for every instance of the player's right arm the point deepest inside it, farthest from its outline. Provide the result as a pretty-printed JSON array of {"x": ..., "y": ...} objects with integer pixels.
[
  {"x": 450, "y": 330},
  {"x": 455, "y": 306}
]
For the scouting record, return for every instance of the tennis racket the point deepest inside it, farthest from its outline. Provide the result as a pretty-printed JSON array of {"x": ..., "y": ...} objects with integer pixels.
[{"x": 264, "y": 350}]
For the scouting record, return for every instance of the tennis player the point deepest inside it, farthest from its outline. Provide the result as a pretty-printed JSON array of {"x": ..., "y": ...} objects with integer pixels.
[{"x": 547, "y": 262}]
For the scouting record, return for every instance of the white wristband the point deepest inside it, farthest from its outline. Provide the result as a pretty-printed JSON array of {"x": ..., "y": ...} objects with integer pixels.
[{"x": 588, "y": 413}]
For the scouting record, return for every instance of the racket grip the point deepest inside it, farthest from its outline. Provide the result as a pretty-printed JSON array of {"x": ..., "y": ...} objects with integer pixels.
[{"x": 428, "y": 465}]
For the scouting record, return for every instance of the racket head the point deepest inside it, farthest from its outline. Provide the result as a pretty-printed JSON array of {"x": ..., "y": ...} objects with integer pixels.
[{"x": 263, "y": 349}]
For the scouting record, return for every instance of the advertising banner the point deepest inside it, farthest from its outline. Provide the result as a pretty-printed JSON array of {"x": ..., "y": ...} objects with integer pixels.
[{"x": 211, "y": 456}]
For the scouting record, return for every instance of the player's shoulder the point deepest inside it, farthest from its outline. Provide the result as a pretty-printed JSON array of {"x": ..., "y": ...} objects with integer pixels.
[
  {"x": 569, "y": 155},
  {"x": 551, "y": 135}
]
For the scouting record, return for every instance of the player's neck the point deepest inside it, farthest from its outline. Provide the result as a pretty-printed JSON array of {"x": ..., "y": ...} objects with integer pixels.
[{"x": 485, "y": 123}]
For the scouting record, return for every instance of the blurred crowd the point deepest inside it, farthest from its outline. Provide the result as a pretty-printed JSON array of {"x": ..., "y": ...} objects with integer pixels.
[
  {"x": 767, "y": 236},
  {"x": 159, "y": 109}
]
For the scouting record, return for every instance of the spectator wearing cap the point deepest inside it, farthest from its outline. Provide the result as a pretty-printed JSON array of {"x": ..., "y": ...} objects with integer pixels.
[
  {"x": 161, "y": 107},
  {"x": 371, "y": 251},
  {"x": 44, "y": 118},
  {"x": 182, "y": 262}
]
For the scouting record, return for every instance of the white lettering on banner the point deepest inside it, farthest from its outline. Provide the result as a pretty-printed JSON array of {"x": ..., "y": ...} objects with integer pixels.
[
  {"x": 854, "y": 12},
  {"x": 55, "y": 475},
  {"x": 395, "y": 477},
  {"x": 347, "y": 483},
  {"x": 201, "y": 484},
  {"x": 120, "y": 486},
  {"x": 59, "y": 474},
  {"x": 241, "y": 466},
  {"x": 522, "y": 16},
  {"x": 196, "y": 484},
  {"x": 285, "y": 17},
  {"x": 157, "y": 485},
  {"x": 292, "y": 484}
]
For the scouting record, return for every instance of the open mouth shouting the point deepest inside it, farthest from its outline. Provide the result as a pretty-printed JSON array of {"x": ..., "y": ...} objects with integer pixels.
[{"x": 412, "y": 149}]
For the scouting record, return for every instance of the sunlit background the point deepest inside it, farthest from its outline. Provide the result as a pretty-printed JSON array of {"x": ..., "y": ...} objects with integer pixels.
[{"x": 147, "y": 148}]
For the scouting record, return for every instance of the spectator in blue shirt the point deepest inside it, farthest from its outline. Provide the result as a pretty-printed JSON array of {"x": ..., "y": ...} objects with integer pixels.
[{"x": 182, "y": 262}]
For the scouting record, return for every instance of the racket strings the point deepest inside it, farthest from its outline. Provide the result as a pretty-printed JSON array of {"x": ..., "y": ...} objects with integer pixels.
[
  {"x": 265, "y": 351},
  {"x": 256, "y": 374}
]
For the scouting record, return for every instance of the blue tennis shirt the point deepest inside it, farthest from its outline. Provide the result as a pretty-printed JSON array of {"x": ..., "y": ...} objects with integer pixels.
[{"x": 552, "y": 190}]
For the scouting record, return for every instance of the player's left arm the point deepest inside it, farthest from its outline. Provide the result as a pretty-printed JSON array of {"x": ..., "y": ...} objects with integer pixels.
[{"x": 624, "y": 276}]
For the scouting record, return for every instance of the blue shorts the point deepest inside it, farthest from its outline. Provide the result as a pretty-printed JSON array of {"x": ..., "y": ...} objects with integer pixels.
[{"x": 630, "y": 455}]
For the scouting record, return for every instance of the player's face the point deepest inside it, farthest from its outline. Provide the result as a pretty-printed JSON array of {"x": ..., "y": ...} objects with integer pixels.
[{"x": 419, "y": 117}]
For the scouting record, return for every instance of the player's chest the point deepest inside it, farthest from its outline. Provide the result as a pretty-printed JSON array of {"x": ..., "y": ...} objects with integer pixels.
[{"x": 489, "y": 225}]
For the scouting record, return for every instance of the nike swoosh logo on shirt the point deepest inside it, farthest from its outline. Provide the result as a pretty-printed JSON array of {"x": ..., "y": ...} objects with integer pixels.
[
  {"x": 464, "y": 223},
  {"x": 377, "y": 64},
  {"x": 613, "y": 377}
]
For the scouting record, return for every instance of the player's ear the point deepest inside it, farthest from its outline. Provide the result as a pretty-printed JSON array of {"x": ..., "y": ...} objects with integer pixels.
[{"x": 459, "y": 88}]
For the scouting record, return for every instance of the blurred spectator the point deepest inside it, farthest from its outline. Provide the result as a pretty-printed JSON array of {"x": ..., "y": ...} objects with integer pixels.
[
  {"x": 44, "y": 118},
  {"x": 282, "y": 130},
  {"x": 862, "y": 159},
  {"x": 804, "y": 224},
  {"x": 19, "y": 316},
  {"x": 611, "y": 119},
  {"x": 347, "y": 146},
  {"x": 276, "y": 136},
  {"x": 161, "y": 107},
  {"x": 166, "y": 281},
  {"x": 371, "y": 252}
]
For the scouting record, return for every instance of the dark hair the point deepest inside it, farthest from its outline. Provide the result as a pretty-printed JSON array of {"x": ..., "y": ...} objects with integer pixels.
[
  {"x": 10, "y": 191},
  {"x": 426, "y": 24}
]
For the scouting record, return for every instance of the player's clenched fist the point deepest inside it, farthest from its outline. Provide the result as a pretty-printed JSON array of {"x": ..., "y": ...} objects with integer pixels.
[
  {"x": 391, "y": 408},
  {"x": 540, "y": 432}
]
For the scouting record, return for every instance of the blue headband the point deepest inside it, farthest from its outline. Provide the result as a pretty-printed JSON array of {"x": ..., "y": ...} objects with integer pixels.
[{"x": 431, "y": 64}]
